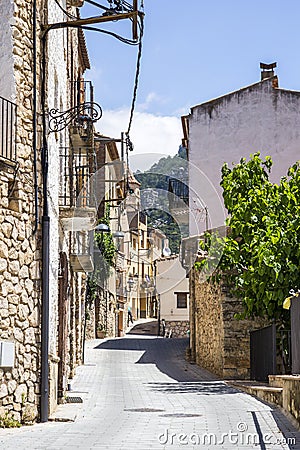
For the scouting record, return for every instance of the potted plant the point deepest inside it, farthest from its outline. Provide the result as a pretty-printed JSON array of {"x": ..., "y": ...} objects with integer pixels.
[{"x": 100, "y": 331}]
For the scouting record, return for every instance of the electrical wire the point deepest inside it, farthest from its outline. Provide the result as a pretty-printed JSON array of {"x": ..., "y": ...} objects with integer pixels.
[
  {"x": 100, "y": 30},
  {"x": 70, "y": 16},
  {"x": 110, "y": 33},
  {"x": 115, "y": 35},
  {"x": 121, "y": 39},
  {"x": 137, "y": 75},
  {"x": 110, "y": 10},
  {"x": 128, "y": 5},
  {"x": 97, "y": 5}
]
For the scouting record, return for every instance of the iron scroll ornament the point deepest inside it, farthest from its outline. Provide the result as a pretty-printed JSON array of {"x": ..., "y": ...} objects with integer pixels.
[{"x": 85, "y": 112}]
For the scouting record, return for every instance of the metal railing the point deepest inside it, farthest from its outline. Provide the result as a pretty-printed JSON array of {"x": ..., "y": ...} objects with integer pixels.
[
  {"x": 8, "y": 126},
  {"x": 263, "y": 353},
  {"x": 178, "y": 193},
  {"x": 284, "y": 352},
  {"x": 81, "y": 91},
  {"x": 75, "y": 186}
]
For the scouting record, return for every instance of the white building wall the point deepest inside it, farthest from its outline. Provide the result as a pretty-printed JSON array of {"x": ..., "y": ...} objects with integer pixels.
[
  {"x": 256, "y": 118},
  {"x": 57, "y": 90},
  {"x": 171, "y": 278},
  {"x": 7, "y": 57}
]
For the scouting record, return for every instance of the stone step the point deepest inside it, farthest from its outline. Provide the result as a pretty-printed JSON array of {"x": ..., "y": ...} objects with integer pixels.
[
  {"x": 278, "y": 380},
  {"x": 263, "y": 391},
  {"x": 275, "y": 381}
]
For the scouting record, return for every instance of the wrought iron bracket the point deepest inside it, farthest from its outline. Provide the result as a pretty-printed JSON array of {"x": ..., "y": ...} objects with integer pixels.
[{"x": 87, "y": 112}]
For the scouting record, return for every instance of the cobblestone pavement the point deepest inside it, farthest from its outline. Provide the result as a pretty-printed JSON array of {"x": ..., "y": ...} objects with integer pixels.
[{"x": 139, "y": 393}]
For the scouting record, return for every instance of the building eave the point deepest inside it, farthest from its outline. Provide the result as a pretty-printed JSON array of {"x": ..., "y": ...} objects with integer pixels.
[
  {"x": 83, "y": 52},
  {"x": 272, "y": 80}
]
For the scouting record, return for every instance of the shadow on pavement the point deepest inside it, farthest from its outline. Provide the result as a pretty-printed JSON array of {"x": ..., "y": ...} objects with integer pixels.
[
  {"x": 201, "y": 387},
  {"x": 167, "y": 354},
  {"x": 146, "y": 328},
  {"x": 290, "y": 433}
]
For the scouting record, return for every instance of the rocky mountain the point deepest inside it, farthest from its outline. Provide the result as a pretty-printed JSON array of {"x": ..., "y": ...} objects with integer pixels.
[{"x": 154, "y": 195}]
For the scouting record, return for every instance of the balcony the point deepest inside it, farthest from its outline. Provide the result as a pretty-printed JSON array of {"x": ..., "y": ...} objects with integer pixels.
[
  {"x": 121, "y": 290},
  {"x": 76, "y": 199},
  {"x": 8, "y": 124},
  {"x": 148, "y": 284},
  {"x": 81, "y": 259},
  {"x": 82, "y": 98}
]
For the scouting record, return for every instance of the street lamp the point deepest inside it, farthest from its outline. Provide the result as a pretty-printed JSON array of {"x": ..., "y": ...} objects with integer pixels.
[
  {"x": 119, "y": 235},
  {"x": 102, "y": 228}
]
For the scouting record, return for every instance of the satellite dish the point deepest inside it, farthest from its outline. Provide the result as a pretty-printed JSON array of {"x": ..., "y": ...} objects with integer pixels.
[{"x": 166, "y": 252}]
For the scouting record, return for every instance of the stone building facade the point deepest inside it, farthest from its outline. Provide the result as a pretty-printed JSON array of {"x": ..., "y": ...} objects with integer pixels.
[
  {"x": 219, "y": 341},
  {"x": 19, "y": 246},
  {"x": 22, "y": 201},
  {"x": 129, "y": 282}
]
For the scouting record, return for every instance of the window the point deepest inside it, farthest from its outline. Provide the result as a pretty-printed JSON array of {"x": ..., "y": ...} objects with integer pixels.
[
  {"x": 8, "y": 124},
  {"x": 181, "y": 299}
]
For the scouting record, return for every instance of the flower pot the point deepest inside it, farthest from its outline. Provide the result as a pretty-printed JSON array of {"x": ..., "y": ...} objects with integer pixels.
[{"x": 100, "y": 334}]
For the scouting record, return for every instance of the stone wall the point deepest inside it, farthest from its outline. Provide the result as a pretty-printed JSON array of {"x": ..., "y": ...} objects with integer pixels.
[
  {"x": 19, "y": 311},
  {"x": 179, "y": 328},
  {"x": 222, "y": 342},
  {"x": 20, "y": 246},
  {"x": 90, "y": 322},
  {"x": 20, "y": 256},
  {"x": 291, "y": 396},
  {"x": 105, "y": 314}
]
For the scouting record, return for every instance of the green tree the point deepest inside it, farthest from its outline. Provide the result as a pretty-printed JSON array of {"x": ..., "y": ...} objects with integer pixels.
[{"x": 261, "y": 254}]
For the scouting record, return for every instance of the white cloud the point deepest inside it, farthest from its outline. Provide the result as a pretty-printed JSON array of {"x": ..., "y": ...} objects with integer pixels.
[
  {"x": 95, "y": 73},
  {"x": 152, "y": 98},
  {"x": 150, "y": 134}
]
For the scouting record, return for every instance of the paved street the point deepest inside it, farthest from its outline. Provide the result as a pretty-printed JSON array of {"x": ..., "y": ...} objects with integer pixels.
[{"x": 139, "y": 393}]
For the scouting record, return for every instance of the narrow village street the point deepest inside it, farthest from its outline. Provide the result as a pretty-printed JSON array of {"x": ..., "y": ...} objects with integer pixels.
[{"x": 138, "y": 392}]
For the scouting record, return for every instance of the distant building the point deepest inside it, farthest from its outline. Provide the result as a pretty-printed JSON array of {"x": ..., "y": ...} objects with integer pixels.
[
  {"x": 260, "y": 117},
  {"x": 172, "y": 288}
]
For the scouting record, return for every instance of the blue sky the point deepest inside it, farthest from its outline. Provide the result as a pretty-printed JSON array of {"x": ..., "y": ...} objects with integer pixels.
[{"x": 193, "y": 51}]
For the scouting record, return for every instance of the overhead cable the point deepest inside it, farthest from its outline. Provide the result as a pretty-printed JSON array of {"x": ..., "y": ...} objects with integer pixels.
[
  {"x": 69, "y": 15},
  {"x": 137, "y": 74}
]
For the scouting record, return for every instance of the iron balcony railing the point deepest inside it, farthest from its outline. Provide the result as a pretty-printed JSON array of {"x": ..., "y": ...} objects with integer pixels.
[
  {"x": 75, "y": 182},
  {"x": 178, "y": 193},
  {"x": 8, "y": 126},
  {"x": 82, "y": 91},
  {"x": 284, "y": 352}
]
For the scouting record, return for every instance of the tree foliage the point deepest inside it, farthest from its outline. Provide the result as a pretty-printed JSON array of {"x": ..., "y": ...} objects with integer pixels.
[
  {"x": 105, "y": 243},
  {"x": 261, "y": 254}
]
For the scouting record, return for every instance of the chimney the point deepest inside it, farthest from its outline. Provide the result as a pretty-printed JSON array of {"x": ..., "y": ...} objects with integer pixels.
[{"x": 267, "y": 70}]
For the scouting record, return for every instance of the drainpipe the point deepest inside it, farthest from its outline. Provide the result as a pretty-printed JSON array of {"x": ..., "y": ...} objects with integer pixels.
[
  {"x": 45, "y": 254},
  {"x": 45, "y": 219},
  {"x": 34, "y": 119}
]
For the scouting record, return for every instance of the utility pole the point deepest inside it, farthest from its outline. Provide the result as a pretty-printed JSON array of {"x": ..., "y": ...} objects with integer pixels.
[{"x": 100, "y": 19}]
